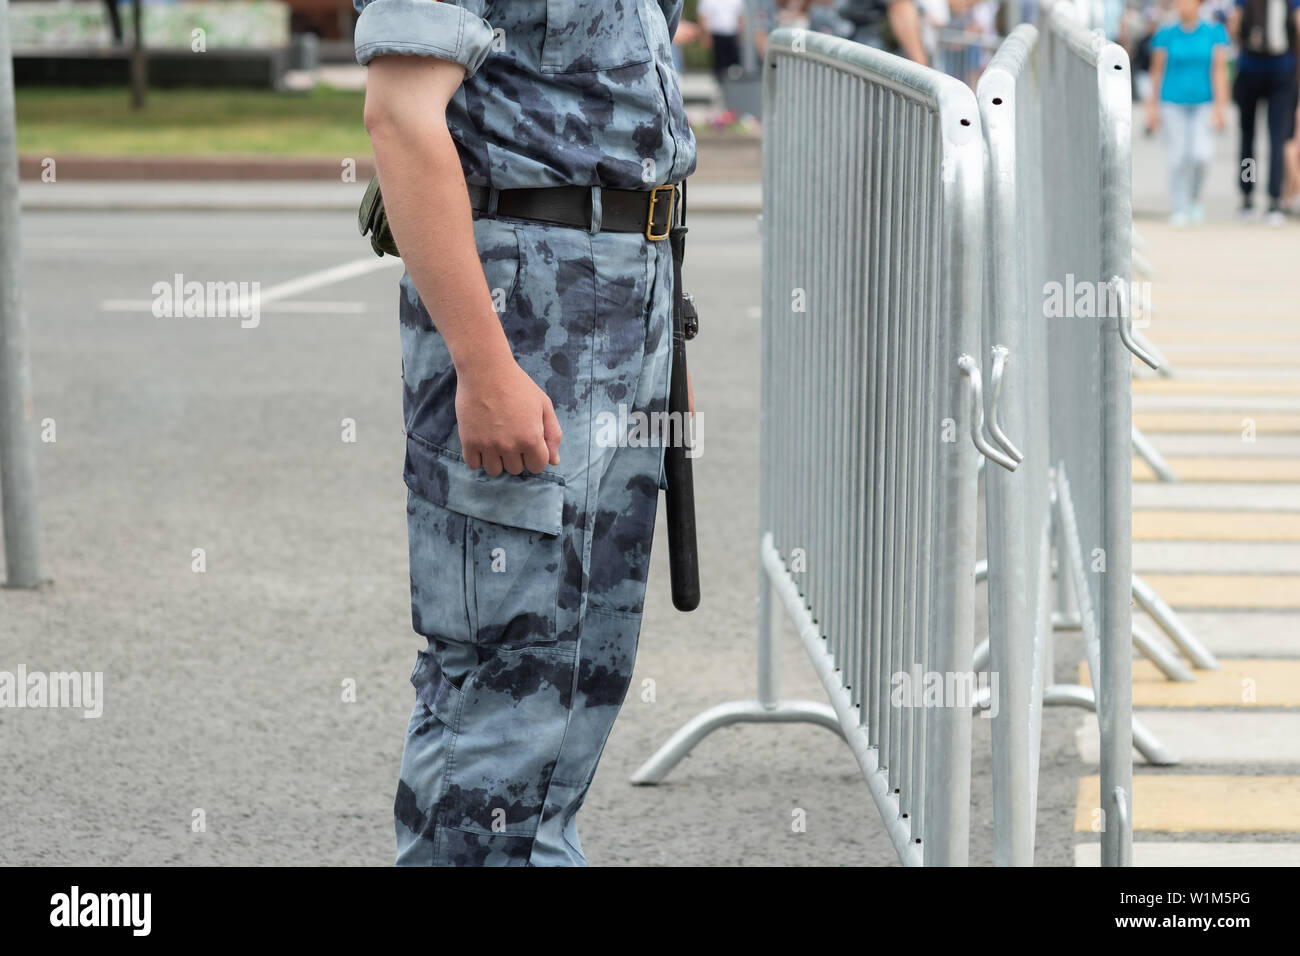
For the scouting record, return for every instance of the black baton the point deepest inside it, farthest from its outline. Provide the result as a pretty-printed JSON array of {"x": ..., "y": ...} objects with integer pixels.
[{"x": 683, "y": 559}]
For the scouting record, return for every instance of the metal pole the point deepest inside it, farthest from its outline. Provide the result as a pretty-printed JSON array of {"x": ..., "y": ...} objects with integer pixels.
[
  {"x": 1115, "y": 703},
  {"x": 768, "y": 693},
  {"x": 139, "y": 68},
  {"x": 17, "y": 434}
]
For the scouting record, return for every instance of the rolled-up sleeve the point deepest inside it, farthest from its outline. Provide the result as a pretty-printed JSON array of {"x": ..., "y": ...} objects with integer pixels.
[{"x": 422, "y": 28}]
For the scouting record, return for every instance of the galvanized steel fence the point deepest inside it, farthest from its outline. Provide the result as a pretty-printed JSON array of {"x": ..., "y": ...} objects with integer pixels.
[
  {"x": 901, "y": 272},
  {"x": 1056, "y": 116},
  {"x": 1018, "y": 504},
  {"x": 873, "y": 173}
]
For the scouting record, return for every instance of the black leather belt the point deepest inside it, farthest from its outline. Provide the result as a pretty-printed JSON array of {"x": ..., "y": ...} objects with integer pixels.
[{"x": 647, "y": 211}]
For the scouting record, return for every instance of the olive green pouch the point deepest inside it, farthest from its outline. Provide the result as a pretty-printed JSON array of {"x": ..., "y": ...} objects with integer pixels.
[{"x": 373, "y": 221}]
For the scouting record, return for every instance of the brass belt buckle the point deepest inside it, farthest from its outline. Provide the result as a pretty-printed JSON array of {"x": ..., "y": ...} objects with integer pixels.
[{"x": 650, "y": 216}]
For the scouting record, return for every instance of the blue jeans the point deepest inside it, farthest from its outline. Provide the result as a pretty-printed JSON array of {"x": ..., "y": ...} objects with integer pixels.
[{"x": 1188, "y": 148}]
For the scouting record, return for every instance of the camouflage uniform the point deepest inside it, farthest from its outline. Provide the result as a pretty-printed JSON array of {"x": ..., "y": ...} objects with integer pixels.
[{"x": 529, "y": 588}]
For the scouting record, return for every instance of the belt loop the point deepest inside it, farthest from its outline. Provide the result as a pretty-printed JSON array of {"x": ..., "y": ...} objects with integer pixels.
[
  {"x": 597, "y": 211},
  {"x": 491, "y": 211}
]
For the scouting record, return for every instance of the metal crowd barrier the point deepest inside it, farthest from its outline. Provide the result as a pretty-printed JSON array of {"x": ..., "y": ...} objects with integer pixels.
[
  {"x": 1055, "y": 110},
  {"x": 873, "y": 221},
  {"x": 1087, "y": 167},
  {"x": 1018, "y": 505},
  {"x": 889, "y": 256}
]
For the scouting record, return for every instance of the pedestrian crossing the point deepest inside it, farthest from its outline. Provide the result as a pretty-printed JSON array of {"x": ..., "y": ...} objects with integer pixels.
[{"x": 1222, "y": 547}]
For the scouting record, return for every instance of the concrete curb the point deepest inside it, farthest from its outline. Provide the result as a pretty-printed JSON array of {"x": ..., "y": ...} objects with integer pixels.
[{"x": 192, "y": 168}]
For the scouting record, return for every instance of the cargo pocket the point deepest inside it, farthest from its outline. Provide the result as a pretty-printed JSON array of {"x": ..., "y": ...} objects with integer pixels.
[
  {"x": 436, "y": 537},
  {"x": 514, "y": 584},
  {"x": 493, "y": 567},
  {"x": 436, "y": 692},
  {"x": 471, "y": 848},
  {"x": 583, "y": 37}
]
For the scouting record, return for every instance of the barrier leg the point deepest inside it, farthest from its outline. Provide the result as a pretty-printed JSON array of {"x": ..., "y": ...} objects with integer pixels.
[
  {"x": 1108, "y": 644},
  {"x": 765, "y": 710},
  {"x": 1147, "y": 452},
  {"x": 1166, "y": 662},
  {"x": 1171, "y": 624},
  {"x": 1072, "y": 695},
  {"x": 1144, "y": 741},
  {"x": 1142, "y": 265},
  {"x": 1164, "y": 368},
  {"x": 697, "y": 728}
]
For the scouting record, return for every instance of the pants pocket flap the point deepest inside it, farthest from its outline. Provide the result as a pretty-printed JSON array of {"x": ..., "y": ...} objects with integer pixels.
[
  {"x": 532, "y": 502},
  {"x": 434, "y": 690}
]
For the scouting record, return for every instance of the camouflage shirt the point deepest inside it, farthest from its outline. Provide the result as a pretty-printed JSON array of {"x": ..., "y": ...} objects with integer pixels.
[{"x": 556, "y": 92}]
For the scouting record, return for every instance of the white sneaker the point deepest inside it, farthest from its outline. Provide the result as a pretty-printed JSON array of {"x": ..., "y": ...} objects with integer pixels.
[
  {"x": 1178, "y": 220},
  {"x": 1196, "y": 215},
  {"x": 1247, "y": 214},
  {"x": 1276, "y": 217}
]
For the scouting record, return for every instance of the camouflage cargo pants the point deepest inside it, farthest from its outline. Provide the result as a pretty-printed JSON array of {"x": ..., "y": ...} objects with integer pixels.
[{"x": 529, "y": 588}]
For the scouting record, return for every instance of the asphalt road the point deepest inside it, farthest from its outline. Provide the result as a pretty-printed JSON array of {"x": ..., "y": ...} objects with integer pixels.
[{"x": 224, "y": 690}]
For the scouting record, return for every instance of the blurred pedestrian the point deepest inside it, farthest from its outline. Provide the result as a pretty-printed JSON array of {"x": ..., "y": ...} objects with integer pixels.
[
  {"x": 1189, "y": 93},
  {"x": 1291, "y": 182},
  {"x": 720, "y": 20},
  {"x": 892, "y": 25},
  {"x": 1265, "y": 30}
]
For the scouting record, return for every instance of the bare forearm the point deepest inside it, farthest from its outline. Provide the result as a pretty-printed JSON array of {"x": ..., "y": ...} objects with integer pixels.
[
  {"x": 1158, "y": 58},
  {"x": 906, "y": 24},
  {"x": 428, "y": 209},
  {"x": 1221, "y": 78},
  {"x": 505, "y": 421}
]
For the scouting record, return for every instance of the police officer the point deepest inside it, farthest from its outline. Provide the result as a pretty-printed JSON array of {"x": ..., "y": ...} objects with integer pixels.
[{"x": 527, "y": 152}]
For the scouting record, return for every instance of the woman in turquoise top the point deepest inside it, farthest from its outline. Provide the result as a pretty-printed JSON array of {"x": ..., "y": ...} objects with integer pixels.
[{"x": 1189, "y": 92}]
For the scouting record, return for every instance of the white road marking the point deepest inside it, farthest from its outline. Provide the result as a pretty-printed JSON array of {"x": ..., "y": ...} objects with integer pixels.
[
  {"x": 314, "y": 280},
  {"x": 1217, "y": 557},
  {"x": 1147, "y": 402},
  {"x": 1211, "y": 737},
  {"x": 299, "y": 306},
  {"x": 1198, "y": 854},
  {"x": 284, "y": 290},
  {"x": 1216, "y": 496}
]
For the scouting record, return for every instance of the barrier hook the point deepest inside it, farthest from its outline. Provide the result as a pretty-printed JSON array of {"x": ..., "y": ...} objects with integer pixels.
[
  {"x": 972, "y": 373},
  {"x": 1000, "y": 354},
  {"x": 1126, "y": 323}
]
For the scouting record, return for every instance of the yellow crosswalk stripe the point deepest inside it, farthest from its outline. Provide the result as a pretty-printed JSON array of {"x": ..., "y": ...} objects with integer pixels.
[
  {"x": 1219, "y": 422},
  {"x": 1246, "y": 469},
  {"x": 1168, "y": 310},
  {"x": 1228, "y": 591},
  {"x": 1262, "y": 358},
  {"x": 1215, "y": 526},
  {"x": 1182, "y": 386},
  {"x": 1210, "y": 335},
  {"x": 1188, "y": 803},
  {"x": 1238, "y": 682}
]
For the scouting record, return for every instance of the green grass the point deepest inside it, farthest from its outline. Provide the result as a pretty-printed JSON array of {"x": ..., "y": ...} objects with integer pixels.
[{"x": 61, "y": 122}]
